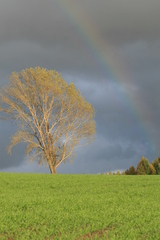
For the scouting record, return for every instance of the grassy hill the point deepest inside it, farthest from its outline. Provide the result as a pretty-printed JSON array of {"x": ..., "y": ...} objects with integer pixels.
[{"x": 44, "y": 206}]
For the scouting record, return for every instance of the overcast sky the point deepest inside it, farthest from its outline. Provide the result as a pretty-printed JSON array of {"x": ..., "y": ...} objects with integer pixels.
[{"x": 111, "y": 51}]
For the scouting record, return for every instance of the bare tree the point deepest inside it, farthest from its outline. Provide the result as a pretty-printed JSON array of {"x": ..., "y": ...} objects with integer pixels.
[{"x": 53, "y": 117}]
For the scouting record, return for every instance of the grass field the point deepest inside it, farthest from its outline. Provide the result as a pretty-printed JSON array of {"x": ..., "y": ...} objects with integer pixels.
[{"x": 44, "y": 206}]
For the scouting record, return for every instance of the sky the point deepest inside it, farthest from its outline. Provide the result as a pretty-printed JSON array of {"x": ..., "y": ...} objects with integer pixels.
[{"x": 110, "y": 50}]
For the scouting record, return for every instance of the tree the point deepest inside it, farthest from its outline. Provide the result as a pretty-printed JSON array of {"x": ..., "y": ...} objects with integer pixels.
[
  {"x": 156, "y": 165},
  {"x": 152, "y": 169},
  {"x": 53, "y": 117},
  {"x": 143, "y": 167},
  {"x": 132, "y": 171},
  {"x": 126, "y": 172}
]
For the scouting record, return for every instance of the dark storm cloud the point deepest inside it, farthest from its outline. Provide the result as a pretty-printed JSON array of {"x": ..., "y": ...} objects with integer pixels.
[
  {"x": 51, "y": 34},
  {"x": 18, "y": 153},
  {"x": 40, "y": 32},
  {"x": 43, "y": 21},
  {"x": 143, "y": 60}
]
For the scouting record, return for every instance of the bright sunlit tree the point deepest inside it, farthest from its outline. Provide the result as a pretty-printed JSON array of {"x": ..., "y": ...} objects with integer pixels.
[{"x": 52, "y": 116}]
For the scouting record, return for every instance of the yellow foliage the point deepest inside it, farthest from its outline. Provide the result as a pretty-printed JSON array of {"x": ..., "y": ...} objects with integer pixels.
[
  {"x": 153, "y": 170},
  {"x": 55, "y": 115}
]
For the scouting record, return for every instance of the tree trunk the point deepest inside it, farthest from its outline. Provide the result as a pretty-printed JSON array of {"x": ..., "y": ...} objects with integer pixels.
[{"x": 52, "y": 169}]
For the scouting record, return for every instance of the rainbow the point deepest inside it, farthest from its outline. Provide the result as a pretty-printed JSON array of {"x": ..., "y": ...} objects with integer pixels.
[{"x": 108, "y": 61}]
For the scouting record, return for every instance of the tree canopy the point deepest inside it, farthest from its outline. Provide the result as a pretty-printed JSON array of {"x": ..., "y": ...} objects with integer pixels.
[
  {"x": 143, "y": 167},
  {"x": 52, "y": 116},
  {"x": 156, "y": 165}
]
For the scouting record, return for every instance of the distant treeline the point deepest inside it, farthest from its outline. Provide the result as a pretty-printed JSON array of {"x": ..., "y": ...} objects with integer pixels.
[{"x": 143, "y": 168}]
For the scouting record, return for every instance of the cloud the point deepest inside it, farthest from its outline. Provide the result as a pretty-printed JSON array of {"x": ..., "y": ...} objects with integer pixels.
[
  {"x": 18, "y": 152},
  {"x": 116, "y": 21}
]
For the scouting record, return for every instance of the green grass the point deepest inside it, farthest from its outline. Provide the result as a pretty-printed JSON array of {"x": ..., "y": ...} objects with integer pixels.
[{"x": 43, "y": 206}]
